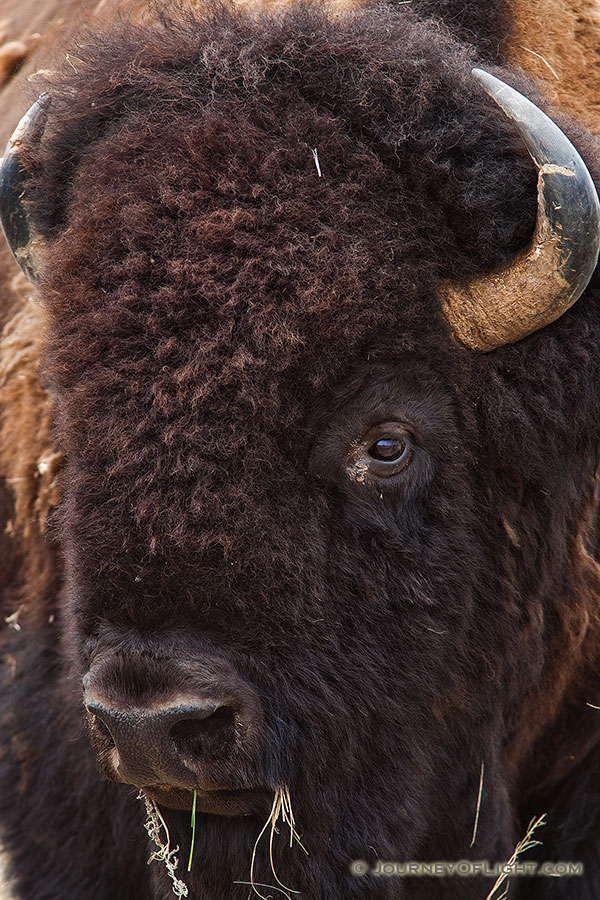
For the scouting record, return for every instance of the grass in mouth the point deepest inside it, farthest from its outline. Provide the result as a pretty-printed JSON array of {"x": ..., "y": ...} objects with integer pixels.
[
  {"x": 193, "y": 824},
  {"x": 155, "y": 825}
]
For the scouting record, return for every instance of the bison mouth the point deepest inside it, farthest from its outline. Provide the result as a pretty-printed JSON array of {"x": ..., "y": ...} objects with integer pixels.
[{"x": 220, "y": 801}]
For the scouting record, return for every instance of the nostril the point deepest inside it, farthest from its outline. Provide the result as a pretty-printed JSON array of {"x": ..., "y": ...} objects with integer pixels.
[
  {"x": 102, "y": 729},
  {"x": 211, "y": 735},
  {"x": 170, "y": 743},
  {"x": 98, "y": 725}
]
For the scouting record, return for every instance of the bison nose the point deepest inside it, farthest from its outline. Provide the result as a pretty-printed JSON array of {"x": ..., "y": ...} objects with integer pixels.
[{"x": 167, "y": 745}]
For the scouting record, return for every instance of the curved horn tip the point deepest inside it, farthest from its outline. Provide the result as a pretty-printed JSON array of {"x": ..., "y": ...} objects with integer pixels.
[
  {"x": 32, "y": 122},
  {"x": 13, "y": 181},
  {"x": 548, "y": 278}
]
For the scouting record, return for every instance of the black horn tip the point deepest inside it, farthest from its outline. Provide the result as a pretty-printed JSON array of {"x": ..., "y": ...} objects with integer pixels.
[{"x": 13, "y": 180}]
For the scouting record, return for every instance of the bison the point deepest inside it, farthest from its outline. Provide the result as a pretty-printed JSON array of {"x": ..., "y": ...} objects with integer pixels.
[{"x": 299, "y": 440}]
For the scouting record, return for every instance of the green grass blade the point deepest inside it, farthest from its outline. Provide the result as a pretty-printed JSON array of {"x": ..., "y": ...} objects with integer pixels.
[{"x": 193, "y": 824}]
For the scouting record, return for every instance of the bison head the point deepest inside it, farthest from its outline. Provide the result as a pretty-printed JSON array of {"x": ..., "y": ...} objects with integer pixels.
[{"x": 313, "y": 545}]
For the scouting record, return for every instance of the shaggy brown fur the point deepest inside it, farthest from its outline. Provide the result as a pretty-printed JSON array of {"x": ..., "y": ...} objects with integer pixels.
[
  {"x": 27, "y": 452},
  {"x": 221, "y": 328},
  {"x": 558, "y": 41}
]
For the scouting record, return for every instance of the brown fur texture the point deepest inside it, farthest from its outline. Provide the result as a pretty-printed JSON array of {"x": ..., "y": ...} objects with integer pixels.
[
  {"x": 27, "y": 451},
  {"x": 27, "y": 400},
  {"x": 558, "y": 41}
]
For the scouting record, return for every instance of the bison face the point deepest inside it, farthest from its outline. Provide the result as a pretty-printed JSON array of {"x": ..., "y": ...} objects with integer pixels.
[
  {"x": 299, "y": 606},
  {"x": 313, "y": 546}
]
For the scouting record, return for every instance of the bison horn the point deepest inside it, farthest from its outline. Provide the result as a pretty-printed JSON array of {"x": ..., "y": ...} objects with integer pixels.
[
  {"x": 546, "y": 279},
  {"x": 13, "y": 179}
]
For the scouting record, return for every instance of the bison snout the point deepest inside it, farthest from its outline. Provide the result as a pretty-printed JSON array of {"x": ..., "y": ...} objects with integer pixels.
[{"x": 182, "y": 745}]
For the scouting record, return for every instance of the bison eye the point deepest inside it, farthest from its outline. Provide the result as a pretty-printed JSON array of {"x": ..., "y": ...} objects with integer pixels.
[
  {"x": 389, "y": 449},
  {"x": 383, "y": 451}
]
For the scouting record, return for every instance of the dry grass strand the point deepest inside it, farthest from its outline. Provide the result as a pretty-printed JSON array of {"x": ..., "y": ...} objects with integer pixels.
[
  {"x": 282, "y": 806},
  {"x": 478, "y": 807},
  {"x": 524, "y": 844},
  {"x": 153, "y": 825}
]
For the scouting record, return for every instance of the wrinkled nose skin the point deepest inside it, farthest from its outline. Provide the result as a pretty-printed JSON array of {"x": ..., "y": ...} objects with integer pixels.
[
  {"x": 150, "y": 731},
  {"x": 166, "y": 745}
]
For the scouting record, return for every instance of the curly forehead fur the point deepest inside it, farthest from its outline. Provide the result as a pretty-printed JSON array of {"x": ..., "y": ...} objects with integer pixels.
[
  {"x": 199, "y": 258},
  {"x": 202, "y": 259}
]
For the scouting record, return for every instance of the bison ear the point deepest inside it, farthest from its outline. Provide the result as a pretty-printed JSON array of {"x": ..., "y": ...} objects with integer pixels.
[
  {"x": 16, "y": 224},
  {"x": 546, "y": 279}
]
